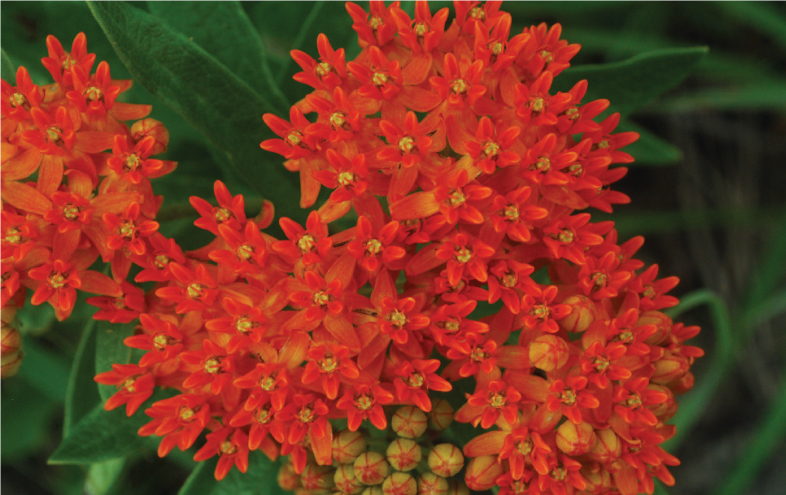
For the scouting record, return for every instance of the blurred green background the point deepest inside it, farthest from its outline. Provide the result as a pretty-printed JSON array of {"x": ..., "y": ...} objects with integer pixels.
[{"x": 707, "y": 192}]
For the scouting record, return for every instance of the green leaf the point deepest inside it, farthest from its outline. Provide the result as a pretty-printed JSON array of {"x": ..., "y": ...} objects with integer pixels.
[
  {"x": 45, "y": 370},
  {"x": 27, "y": 414},
  {"x": 226, "y": 110},
  {"x": 260, "y": 478},
  {"x": 302, "y": 33},
  {"x": 8, "y": 70},
  {"x": 633, "y": 83},
  {"x": 224, "y": 30},
  {"x": 103, "y": 435},
  {"x": 81, "y": 393},
  {"x": 768, "y": 95},
  {"x": 760, "y": 16},
  {"x": 102, "y": 476},
  {"x": 649, "y": 149},
  {"x": 110, "y": 350}
]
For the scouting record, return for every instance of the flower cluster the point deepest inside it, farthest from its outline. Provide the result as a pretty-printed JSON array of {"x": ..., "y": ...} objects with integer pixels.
[
  {"x": 453, "y": 248},
  {"x": 76, "y": 185}
]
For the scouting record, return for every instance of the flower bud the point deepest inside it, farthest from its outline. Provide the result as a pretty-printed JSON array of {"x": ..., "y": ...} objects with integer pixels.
[
  {"x": 441, "y": 415},
  {"x": 399, "y": 484},
  {"x": 457, "y": 487},
  {"x": 347, "y": 446},
  {"x": 445, "y": 460},
  {"x": 346, "y": 481},
  {"x": 287, "y": 478},
  {"x": 8, "y": 313},
  {"x": 598, "y": 480},
  {"x": 315, "y": 477},
  {"x": 404, "y": 454},
  {"x": 151, "y": 127},
  {"x": 482, "y": 472},
  {"x": 371, "y": 468},
  {"x": 409, "y": 422},
  {"x": 10, "y": 351},
  {"x": 548, "y": 352},
  {"x": 432, "y": 484},
  {"x": 662, "y": 322},
  {"x": 372, "y": 490},
  {"x": 582, "y": 314},
  {"x": 666, "y": 409},
  {"x": 607, "y": 448},
  {"x": 575, "y": 439},
  {"x": 682, "y": 384},
  {"x": 670, "y": 367}
]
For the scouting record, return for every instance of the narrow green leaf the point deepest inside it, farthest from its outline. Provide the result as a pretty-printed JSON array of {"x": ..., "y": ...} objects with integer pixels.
[
  {"x": 650, "y": 149},
  {"x": 44, "y": 369},
  {"x": 305, "y": 27},
  {"x": 193, "y": 83},
  {"x": 8, "y": 70},
  {"x": 103, "y": 435},
  {"x": 81, "y": 393},
  {"x": 224, "y": 30},
  {"x": 102, "y": 476},
  {"x": 259, "y": 480},
  {"x": 768, "y": 95},
  {"x": 633, "y": 83},
  {"x": 27, "y": 416},
  {"x": 761, "y": 16},
  {"x": 110, "y": 350}
]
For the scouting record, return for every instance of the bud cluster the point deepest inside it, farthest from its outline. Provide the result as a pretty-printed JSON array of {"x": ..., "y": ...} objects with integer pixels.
[{"x": 408, "y": 461}]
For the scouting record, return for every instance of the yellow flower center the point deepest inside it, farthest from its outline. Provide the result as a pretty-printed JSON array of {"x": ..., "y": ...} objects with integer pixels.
[
  {"x": 131, "y": 163},
  {"x": 19, "y": 100},
  {"x": 346, "y": 179},
  {"x": 397, "y": 318},
  {"x": 463, "y": 255},
  {"x": 223, "y": 215},
  {"x": 57, "y": 280},
  {"x": 363, "y": 402},
  {"x": 161, "y": 261},
  {"x": 406, "y": 145},
  {"x": 94, "y": 94},
  {"x": 13, "y": 236},
  {"x": 379, "y": 79},
  {"x": 459, "y": 86},
  {"x": 213, "y": 365},
  {"x": 161, "y": 341},
  {"x": 195, "y": 290},
  {"x": 306, "y": 243},
  {"x": 227, "y": 448},
  {"x": 416, "y": 380},
  {"x": 536, "y": 105},
  {"x": 372, "y": 247},
  {"x": 53, "y": 134},
  {"x": 323, "y": 69},
  {"x": 71, "y": 212}
]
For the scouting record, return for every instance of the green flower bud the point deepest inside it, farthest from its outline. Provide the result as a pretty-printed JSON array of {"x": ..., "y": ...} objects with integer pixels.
[
  {"x": 445, "y": 460},
  {"x": 404, "y": 454},
  {"x": 409, "y": 422},
  {"x": 371, "y": 468},
  {"x": 400, "y": 484}
]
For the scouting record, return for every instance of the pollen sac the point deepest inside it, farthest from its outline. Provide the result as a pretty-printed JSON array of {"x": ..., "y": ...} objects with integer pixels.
[{"x": 409, "y": 422}]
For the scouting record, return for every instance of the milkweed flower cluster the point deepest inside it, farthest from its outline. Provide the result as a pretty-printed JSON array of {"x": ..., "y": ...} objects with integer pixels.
[
  {"x": 454, "y": 247},
  {"x": 75, "y": 187}
]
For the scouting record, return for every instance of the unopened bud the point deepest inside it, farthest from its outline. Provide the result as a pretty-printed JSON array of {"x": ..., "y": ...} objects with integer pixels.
[
  {"x": 457, "y": 487},
  {"x": 404, "y": 454},
  {"x": 682, "y": 384},
  {"x": 575, "y": 439},
  {"x": 399, "y": 484},
  {"x": 441, "y": 415},
  {"x": 598, "y": 480},
  {"x": 316, "y": 477},
  {"x": 287, "y": 478},
  {"x": 347, "y": 446},
  {"x": 662, "y": 322},
  {"x": 666, "y": 409},
  {"x": 409, "y": 422},
  {"x": 670, "y": 367},
  {"x": 432, "y": 484},
  {"x": 445, "y": 460},
  {"x": 582, "y": 314},
  {"x": 371, "y": 468},
  {"x": 346, "y": 481},
  {"x": 10, "y": 351},
  {"x": 548, "y": 352},
  {"x": 482, "y": 472},
  {"x": 372, "y": 490},
  {"x": 151, "y": 127},
  {"x": 607, "y": 448}
]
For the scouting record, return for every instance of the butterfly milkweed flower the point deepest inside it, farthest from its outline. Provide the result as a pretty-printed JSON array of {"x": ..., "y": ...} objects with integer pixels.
[{"x": 456, "y": 251}]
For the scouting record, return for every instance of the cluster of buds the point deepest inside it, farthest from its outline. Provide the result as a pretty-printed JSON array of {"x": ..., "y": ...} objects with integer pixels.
[
  {"x": 407, "y": 459},
  {"x": 75, "y": 186}
]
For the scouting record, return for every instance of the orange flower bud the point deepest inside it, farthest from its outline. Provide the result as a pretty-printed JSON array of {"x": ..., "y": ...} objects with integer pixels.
[
  {"x": 315, "y": 477},
  {"x": 432, "y": 484},
  {"x": 399, "y": 484},
  {"x": 598, "y": 480},
  {"x": 346, "y": 481},
  {"x": 441, "y": 415},
  {"x": 683, "y": 384},
  {"x": 8, "y": 313},
  {"x": 10, "y": 351},
  {"x": 404, "y": 454},
  {"x": 151, "y": 127},
  {"x": 347, "y": 446},
  {"x": 548, "y": 352},
  {"x": 409, "y": 422},
  {"x": 287, "y": 478},
  {"x": 457, "y": 487},
  {"x": 371, "y": 468},
  {"x": 666, "y": 409},
  {"x": 482, "y": 472},
  {"x": 607, "y": 448},
  {"x": 662, "y": 322},
  {"x": 670, "y": 367},
  {"x": 582, "y": 314},
  {"x": 446, "y": 460},
  {"x": 575, "y": 439}
]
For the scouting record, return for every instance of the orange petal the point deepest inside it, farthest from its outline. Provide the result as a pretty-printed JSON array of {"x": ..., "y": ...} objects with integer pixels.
[
  {"x": 485, "y": 444},
  {"x": 21, "y": 166},
  {"x": 26, "y": 198},
  {"x": 50, "y": 174},
  {"x": 130, "y": 111},
  {"x": 419, "y": 205},
  {"x": 340, "y": 327},
  {"x": 530, "y": 386},
  {"x": 98, "y": 283},
  {"x": 94, "y": 142}
]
